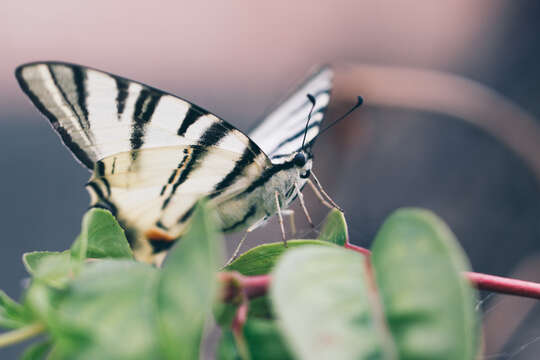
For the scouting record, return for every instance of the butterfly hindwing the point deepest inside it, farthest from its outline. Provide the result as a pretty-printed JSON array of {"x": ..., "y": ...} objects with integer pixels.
[
  {"x": 162, "y": 186},
  {"x": 280, "y": 133}
]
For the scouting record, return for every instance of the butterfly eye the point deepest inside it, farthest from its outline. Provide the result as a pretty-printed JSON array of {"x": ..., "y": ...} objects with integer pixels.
[{"x": 299, "y": 159}]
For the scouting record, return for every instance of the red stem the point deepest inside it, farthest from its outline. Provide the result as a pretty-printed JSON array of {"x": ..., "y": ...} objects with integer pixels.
[
  {"x": 255, "y": 286},
  {"x": 237, "y": 327},
  {"x": 357, "y": 249},
  {"x": 487, "y": 282},
  {"x": 504, "y": 285},
  {"x": 240, "y": 318}
]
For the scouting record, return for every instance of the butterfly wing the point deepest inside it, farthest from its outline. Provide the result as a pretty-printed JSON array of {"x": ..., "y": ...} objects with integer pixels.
[
  {"x": 99, "y": 114},
  {"x": 280, "y": 133},
  {"x": 156, "y": 194},
  {"x": 153, "y": 154}
]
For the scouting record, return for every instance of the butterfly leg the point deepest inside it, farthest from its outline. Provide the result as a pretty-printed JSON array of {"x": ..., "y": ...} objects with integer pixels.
[
  {"x": 293, "y": 223},
  {"x": 280, "y": 218},
  {"x": 301, "y": 198},
  {"x": 290, "y": 213},
  {"x": 237, "y": 250},
  {"x": 319, "y": 192},
  {"x": 319, "y": 195}
]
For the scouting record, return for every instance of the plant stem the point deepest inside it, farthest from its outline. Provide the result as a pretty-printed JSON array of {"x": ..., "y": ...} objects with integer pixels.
[
  {"x": 487, "y": 282},
  {"x": 16, "y": 336},
  {"x": 504, "y": 285},
  {"x": 255, "y": 286},
  {"x": 238, "y": 327},
  {"x": 356, "y": 248}
]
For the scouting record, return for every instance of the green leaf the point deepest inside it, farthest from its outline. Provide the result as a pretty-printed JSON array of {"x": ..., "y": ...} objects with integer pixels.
[
  {"x": 263, "y": 339},
  {"x": 322, "y": 299},
  {"x": 37, "y": 351},
  {"x": 259, "y": 307},
  {"x": 261, "y": 259},
  {"x": 227, "y": 347},
  {"x": 31, "y": 260},
  {"x": 79, "y": 248},
  {"x": 224, "y": 313},
  {"x": 119, "y": 309},
  {"x": 52, "y": 268},
  {"x": 12, "y": 314},
  {"x": 101, "y": 237},
  {"x": 40, "y": 300},
  {"x": 107, "y": 312},
  {"x": 335, "y": 228},
  {"x": 428, "y": 303},
  {"x": 188, "y": 286}
]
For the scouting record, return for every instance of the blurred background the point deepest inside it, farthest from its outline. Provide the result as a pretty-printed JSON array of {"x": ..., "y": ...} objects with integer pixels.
[{"x": 450, "y": 121}]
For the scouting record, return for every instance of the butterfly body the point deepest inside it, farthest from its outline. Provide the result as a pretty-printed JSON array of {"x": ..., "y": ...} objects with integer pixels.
[
  {"x": 257, "y": 202},
  {"x": 154, "y": 155}
]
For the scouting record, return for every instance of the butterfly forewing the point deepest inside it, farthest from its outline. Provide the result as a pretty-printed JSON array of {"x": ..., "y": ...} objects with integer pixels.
[
  {"x": 281, "y": 132},
  {"x": 99, "y": 114}
]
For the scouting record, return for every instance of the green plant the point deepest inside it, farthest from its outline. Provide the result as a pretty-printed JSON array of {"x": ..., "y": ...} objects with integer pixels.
[{"x": 314, "y": 299}]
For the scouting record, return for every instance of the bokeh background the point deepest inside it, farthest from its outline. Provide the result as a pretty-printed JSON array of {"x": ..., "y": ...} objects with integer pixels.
[{"x": 450, "y": 122}]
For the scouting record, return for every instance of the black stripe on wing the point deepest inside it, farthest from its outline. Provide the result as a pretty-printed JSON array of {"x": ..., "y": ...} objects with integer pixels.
[
  {"x": 79, "y": 77},
  {"x": 295, "y": 90},
  {"x": 298, "y": 135},
  {"x": 185, "y": 157},
  {"x": 251, "y": 211},
  {"x": 102, "y": 201},
  {"x": 144, "y": 108},
  {"x": 62, "y": 132},
  {"x": 281, "y": 131},
  {"x": 248, "y": 157},
  {"x": 192, "y": 115},
  {"x": 159, "y": 245},
  {"x": 266, "y": 176},
  {"x": 79, "y": 111},
  {"x": 211, "y": 137},
  {"x": 122, "y": 86},
  {"x": 187, "y": 214}
]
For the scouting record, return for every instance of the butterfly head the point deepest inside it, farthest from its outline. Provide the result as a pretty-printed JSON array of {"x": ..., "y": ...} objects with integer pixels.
[
  {"x": 299, "y": 159},
  {"x": 302, "y": 161}
]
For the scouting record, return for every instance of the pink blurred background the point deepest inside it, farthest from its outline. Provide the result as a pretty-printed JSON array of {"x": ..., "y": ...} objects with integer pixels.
[
  {"x": 450, "y": 121},
  {"x": 237, "y": 56}
]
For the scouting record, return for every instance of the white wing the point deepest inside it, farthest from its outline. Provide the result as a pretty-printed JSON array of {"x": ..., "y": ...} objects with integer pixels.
[
  {"x": 153, "y": 154},
  {"x": 98, "y": 114},
  {"x": 281, "y": 132}
]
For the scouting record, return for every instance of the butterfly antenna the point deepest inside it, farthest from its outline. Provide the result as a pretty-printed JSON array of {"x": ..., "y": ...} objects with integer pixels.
[
  {"x": 360, "y": 101},
  {"x": 312, "y": 100}
]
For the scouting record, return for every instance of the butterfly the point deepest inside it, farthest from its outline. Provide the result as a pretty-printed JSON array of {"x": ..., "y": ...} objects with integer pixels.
[{"x": 153, "y": 155}]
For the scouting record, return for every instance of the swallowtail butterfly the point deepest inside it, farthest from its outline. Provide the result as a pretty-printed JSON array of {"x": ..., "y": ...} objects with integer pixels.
[{"x": 153, "y": 154}]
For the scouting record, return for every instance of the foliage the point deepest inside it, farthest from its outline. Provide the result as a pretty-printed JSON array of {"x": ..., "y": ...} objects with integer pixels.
[{"x": 319, "y": 299}]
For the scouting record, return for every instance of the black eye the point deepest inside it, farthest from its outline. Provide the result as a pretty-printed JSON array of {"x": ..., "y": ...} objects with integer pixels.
[{"x": 299, "y": 159}]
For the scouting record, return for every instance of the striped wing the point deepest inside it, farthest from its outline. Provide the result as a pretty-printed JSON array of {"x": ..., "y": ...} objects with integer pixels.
[
  {"x": 156, "y": 194},
  {"x": 153, "y": 154},
  {"x": 281, "y": 132},
  {"x": 98, "y": 114}
]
